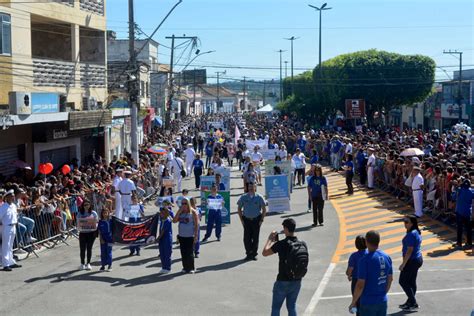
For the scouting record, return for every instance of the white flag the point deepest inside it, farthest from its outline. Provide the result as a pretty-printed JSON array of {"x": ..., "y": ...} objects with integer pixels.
[{"x": 237, "y": 134}]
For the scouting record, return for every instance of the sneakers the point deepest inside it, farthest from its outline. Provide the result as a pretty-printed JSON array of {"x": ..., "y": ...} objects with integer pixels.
[
  {"x": 7, "y": 269},
  {"x": 411, "y": 307},
  {"x": 88, "y": 267},
  {"x": 196, "y": 255},
  {"x": 164, "y": 271},
  {"x": 308, "y": 211},
  {"x": 82, "y": 267},
  {"x": 102, "y": 268},
  {"x": 218, "y": 238},
  {"x": 404, "y": 305},
  {"x": 109, "y": 269},
  {"x": 205, "y": 239}
]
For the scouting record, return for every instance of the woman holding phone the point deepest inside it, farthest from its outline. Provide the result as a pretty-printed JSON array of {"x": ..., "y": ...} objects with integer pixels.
[{"x": 187, "y": 233}]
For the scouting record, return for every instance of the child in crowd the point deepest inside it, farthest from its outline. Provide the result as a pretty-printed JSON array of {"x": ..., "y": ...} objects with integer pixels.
[
  {"x": 134, "y": 214},
  {"x": 105, "y": 234},
  {"x": 352, "y": 268},
  {"x": 165, "y": 240}
]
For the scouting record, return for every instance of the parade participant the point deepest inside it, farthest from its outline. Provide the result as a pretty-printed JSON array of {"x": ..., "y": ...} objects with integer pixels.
[
  {"x": 352, "y": 267},
  {"x": 214, "y": 203},
  {"x": 370, "y": 168},
  {"x": 300, "y": 162},
  {"x": 336, "y": 146},
  {"x": 309, "y": 174},
  {"x": 249, "y": 177},
  {"x": 9, "y": 220},
  {"x": 318, "y": 187},
  {"x": 219, "y": 183},
  {"x": 198, "y": 209},
  {"x": 165, "y": 240},
  {"x": 417, "y": 187},
  {"x": 209, "y": 152},
  {"x": 179, "y": 199},
  {"x": 252, "y": 212},
  {"x": 362, "y": 166},
  {"x": 349, "y": 167},
  {"x": 178, "y": 171},
  {"x": 374, "y": 278},
  {"x": 105, "y": 237},
  {"x": 126, "y": 188},
  {"x": 134, "y": 213},
  {"x": 292, "y": 265},
  {"x": 314, "y": 157},
  {"x": 464, "y": 197},
  {"x": 197, "y": 167},
  {"x": 86, "y": 238},
  {"x": 187, "y": 234},
  {"x": 301, "y": 142},
  {"x": 257, "y": 159},
  {"x": 412, "y": 261},
  {"x": 189, "y": 155},
  {"x": 282, "y": 153},
  {"x": 118, "y": 198},
  {"x": 166, "y": 185}
]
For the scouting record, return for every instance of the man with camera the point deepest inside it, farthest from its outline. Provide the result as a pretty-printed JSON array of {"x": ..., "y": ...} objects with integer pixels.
[{"x": 292, "y": 266}]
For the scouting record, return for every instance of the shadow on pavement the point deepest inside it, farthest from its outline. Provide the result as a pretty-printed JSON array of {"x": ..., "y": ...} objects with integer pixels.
[{"x": 221, "y": 266}]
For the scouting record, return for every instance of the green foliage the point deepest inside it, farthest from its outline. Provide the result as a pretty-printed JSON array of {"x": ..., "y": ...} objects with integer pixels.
[{"x": 385, "y": 80}]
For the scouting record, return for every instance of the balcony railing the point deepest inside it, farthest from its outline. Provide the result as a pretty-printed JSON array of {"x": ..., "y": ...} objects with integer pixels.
[
  {"x": 93, "y": 6},
  {"x": 50, "y": 73},
  {"x": 93, "y": 76}
]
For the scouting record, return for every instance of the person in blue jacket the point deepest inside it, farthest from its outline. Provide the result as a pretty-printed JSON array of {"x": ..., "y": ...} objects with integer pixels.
[
  {"x": 134, "y": 214},
  {"x": 464, "y": 197},
  {"x": 165, "y": 240},
  {"x": 214, "y": 214},
  {"x": 105, "y": 234},
  {"x": 352, "y": 266},
  {"x": 374, "y": 278},
  {"x": 198, "y": 168}
]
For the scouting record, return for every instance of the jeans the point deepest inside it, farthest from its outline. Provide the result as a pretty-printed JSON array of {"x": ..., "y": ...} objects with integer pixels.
[
  {"x": 408, "y": 278},
  {"x": 197, "y": 177},
  {"x": 463, "y": 222},
  {"x": 374, "y": 309},
  {"x": 288, "y": 290},
  {"x": 25, "y": 229}
]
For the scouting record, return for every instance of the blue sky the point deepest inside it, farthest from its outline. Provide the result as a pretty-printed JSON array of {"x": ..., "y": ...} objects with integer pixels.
[{"x": 249, "y": 32}]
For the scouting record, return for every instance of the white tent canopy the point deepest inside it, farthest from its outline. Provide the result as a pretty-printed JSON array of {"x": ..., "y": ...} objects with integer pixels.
[{"x": 267, "y": 108}]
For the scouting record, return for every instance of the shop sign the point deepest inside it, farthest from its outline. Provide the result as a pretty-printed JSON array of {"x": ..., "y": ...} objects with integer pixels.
[
  {"x": 44, "y": 102},
  {"x": 59, "y": 133}
]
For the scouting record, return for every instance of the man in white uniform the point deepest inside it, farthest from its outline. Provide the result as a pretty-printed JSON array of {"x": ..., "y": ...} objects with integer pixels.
[
  {"x": 417, "y": 187},
  {"x": 257, "y": 160},
  {"x": 370, "y": 168},
  {"x": 126, "y": 188},
  {"x": 189, "y": 156},
  {"x": 118, "y": 199},
  {"x": 177, "y": 164},
  {"x": 9, "y": 219}
]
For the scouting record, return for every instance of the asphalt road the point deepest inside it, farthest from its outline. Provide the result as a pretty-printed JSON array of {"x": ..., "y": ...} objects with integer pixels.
[{"x": 224, "y": 283}]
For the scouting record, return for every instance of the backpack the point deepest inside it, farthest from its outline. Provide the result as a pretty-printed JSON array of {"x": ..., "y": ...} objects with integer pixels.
[{"x": 297, "y": 259}]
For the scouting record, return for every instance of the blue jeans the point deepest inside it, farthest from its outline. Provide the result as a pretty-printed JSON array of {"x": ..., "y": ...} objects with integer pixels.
[
  {"x": 374, "y": 309},
  {"x": 25, "y": 228},
  {"x": 285, "y": 290}
]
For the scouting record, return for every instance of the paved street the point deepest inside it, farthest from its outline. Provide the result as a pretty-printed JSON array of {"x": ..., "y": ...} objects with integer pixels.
[{"x": 225, "y": 284}]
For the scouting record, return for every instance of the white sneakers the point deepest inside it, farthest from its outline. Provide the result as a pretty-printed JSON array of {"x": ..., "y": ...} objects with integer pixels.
[
  {"x": 85, "y": 267},
  {"x": 82, "y": 267},
  {"x": 164, "y": 271},
  {"x": 88, "y": 267}
]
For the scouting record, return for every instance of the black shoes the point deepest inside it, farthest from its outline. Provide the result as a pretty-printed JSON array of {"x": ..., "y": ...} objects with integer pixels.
[
  {"x": 7, "y": 269},
  {"x": 14, "y": 266}
]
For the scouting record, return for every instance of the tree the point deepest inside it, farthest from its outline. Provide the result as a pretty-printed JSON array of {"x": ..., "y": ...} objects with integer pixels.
[{"x": 385, "y": 80}]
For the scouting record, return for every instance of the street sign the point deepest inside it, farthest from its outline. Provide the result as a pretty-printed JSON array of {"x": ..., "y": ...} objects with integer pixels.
[
  {"x": 191, "y": 77},
  {"x": 355, "y": 108}
]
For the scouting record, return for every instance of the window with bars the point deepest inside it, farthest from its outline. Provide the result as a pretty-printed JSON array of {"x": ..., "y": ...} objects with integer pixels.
[{"x": 5, "y": 34}]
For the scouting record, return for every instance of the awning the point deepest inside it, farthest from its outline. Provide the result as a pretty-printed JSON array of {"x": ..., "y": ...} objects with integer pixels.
[{"x": 267, "y": 108}]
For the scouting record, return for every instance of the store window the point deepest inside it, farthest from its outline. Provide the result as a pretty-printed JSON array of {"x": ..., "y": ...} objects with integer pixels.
[{"x": 5, "y": 34}]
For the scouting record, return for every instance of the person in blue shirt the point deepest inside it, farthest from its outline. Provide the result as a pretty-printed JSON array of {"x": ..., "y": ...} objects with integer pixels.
[
  {"x": 352, "y": 266},
  {"x": 165, "y": 240},
  {"x": 349, "y": 167},
  {"x": 374, "y": 278},
  {"x": 336, "y": 146},
  {"x": 464, "y": 197},
  {"x": 301, "y": 142},
  {"x": 361, "y": 160},
  {"x": 412, "y": 261},
  {"x": 105, "y": 234},
  {"x": 209, "y": 152},
  {"x": 214, "y": 214},
  {"x": 219, "y": 183},
  {"x": 197, "y": 167},
  {"x": 317, "y": 184},
  {"x": 314, "y": 158}
]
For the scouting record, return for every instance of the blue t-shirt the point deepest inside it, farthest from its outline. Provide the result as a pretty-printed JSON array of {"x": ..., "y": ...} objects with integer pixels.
[
  {"x": 464, "y": 202},
  {"x": 374, "y": 268},
  {"x": 350, "y": 164},
  {"x": 315, "y": 184},
  {"x": 360, "y": 159},
  {"x": 198, "y": 164},
  {"x": 336, "y": 146},
  {"x": 412, "y": 239},
  {"x": 314, "y": 159},
  {"x": 209, "y": 149},
  {"x": 354, "y": 261},
  {"x": 301, "y": 144}
]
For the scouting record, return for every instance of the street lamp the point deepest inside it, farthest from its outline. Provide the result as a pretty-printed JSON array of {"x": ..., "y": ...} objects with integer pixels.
[
  {"x": 321, "y": 9},
  {"x": 292, "y": 39},
  {"x": 197, "y": 55}
]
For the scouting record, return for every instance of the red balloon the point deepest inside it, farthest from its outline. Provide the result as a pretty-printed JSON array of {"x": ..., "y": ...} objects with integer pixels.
[
  {"x": 49, "y": 168},
  {"x": 65, "y": 169},
  {"x": 41, "y": 168}
]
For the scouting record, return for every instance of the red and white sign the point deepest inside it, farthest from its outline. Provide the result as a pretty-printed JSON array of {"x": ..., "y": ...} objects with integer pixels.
[
  {"x": 355, "y": 108},
  {"x": 437, "y": 114}
]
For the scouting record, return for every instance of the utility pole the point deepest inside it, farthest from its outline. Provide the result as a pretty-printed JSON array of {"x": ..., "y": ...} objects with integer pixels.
[
  {"x": 286, "y": 68},
  {"x": 281, "y": 79},
  {"x": 194, "y": 91},
  {"x": 218, "y": 88},
  {"x": 459, "y": 98},
  {"x": 132, "y": 83},
  {"x": 171, "y": 80},
  {"x": 292, "y": 39},
  {"x": 245, "y": 92}
]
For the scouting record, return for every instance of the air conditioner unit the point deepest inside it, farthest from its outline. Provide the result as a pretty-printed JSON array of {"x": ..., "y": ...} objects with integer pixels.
[
  {"x": 19, "y": 102},
  {"x": 89, "y": 103}
]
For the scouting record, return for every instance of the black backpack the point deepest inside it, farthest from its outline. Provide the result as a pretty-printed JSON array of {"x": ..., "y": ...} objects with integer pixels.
[{"x": 297, "y": 259}]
